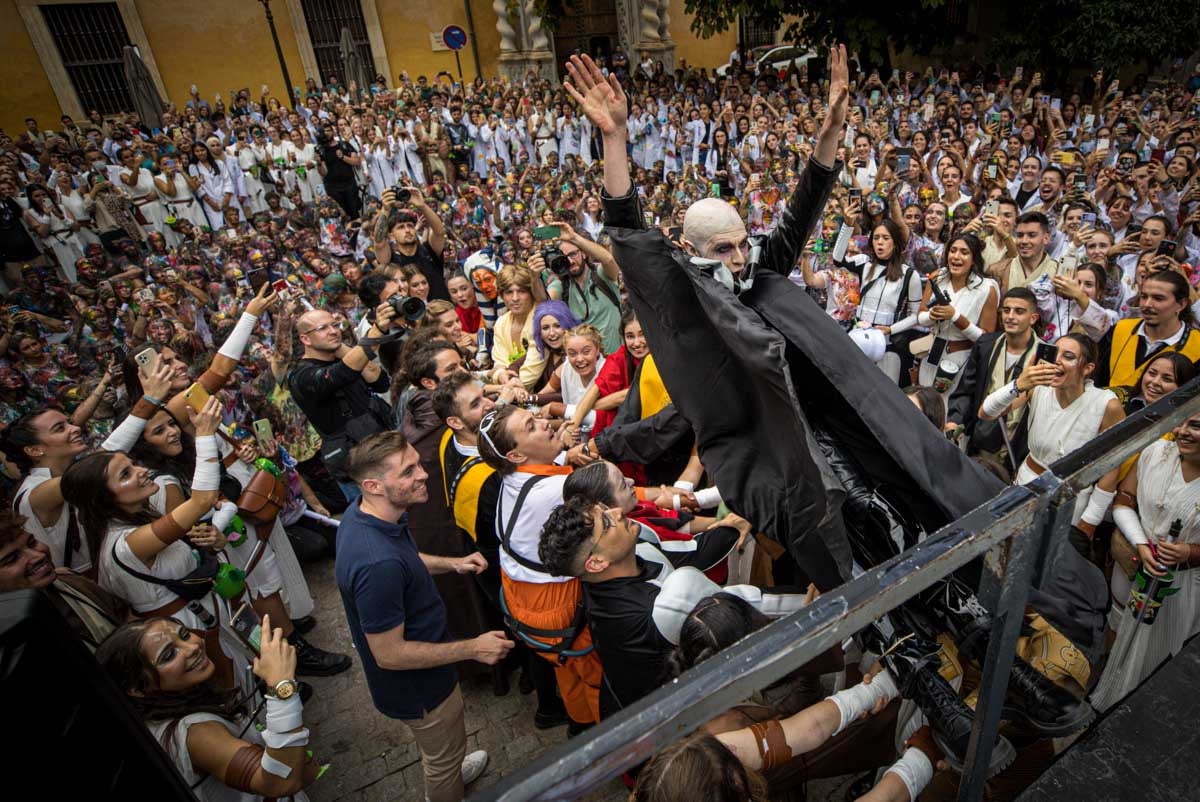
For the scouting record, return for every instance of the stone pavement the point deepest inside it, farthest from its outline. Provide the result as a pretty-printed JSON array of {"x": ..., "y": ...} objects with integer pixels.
[{"x": 373, "y": 758}]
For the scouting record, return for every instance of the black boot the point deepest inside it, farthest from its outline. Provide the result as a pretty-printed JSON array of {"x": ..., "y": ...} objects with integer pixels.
[
  {"x": 314, "y": 662},
  {"x": 304, "y": 625},
  {"x": 1034, "y": 703},
  {"x": 914, "y": 664}
]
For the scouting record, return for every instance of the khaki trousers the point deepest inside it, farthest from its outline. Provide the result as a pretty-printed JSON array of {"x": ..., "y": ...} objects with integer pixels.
[{"x": 441, "y": 736}]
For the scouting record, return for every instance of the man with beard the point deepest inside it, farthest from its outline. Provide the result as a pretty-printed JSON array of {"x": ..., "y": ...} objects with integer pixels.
[
  {"x": 844, "y": 473},
  {"x": 396, "y": 240}
]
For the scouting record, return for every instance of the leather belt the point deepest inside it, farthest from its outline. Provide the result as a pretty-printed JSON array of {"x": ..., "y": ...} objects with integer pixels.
[{"x": 1034, "y": 465}]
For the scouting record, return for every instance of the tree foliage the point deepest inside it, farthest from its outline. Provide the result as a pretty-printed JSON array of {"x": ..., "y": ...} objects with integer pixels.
[{"x": 1049, "y": 33}]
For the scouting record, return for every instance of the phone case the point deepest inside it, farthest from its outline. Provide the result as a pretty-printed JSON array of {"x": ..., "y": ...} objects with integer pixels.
[{"x": 196, "y": 397}]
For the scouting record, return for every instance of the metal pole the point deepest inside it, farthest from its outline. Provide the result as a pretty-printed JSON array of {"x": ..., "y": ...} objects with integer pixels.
[
  {"x": 287, "y": 79},
  {"x": 458, "y": 63},
  {"x": 474, "y": 42}
]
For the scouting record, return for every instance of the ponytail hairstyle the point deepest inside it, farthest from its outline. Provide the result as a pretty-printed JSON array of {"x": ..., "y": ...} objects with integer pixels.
[{"x": 715, "y": 623}]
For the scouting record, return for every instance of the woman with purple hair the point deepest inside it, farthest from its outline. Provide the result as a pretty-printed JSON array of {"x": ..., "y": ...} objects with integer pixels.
[{"x": 551, "y": 321}]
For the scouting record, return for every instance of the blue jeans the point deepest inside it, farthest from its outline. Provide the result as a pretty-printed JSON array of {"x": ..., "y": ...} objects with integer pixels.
[{"x": 349, "y": 490}]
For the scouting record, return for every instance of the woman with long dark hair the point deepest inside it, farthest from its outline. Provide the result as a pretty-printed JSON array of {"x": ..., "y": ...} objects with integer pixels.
[
  {"x": 890, "y": 294},
  {"x": 169, "y": 677},
  {"x": 971, "y": 312},
  {"x": 613, "y": 381},
  {"x": 216, "y": 185},
  {"x": 721, "y": 166}
]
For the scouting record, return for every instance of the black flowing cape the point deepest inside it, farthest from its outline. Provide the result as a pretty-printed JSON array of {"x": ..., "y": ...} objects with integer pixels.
[{"x": 753, "y": 373}]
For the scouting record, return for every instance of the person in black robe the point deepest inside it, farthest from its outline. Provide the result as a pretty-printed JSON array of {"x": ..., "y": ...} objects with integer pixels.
[{"x": 804, "y": 437}]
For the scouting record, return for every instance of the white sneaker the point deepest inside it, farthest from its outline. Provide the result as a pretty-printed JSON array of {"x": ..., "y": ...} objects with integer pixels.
[{"x": 473, "y": 765}]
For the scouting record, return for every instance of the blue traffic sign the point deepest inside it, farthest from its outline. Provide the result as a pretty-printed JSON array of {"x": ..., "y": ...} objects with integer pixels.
[{"x": 454, "y": 37}]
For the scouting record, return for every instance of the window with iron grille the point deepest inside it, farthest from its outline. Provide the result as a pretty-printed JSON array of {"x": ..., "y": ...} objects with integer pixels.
[
  {"x": 325, "y": 19},
  {"x": 90, "y": 38},
  {"x": 754, "y": 34}
]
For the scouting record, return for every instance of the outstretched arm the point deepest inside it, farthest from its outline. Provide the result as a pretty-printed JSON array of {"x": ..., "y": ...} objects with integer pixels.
[{"x": 603, "y": 103}]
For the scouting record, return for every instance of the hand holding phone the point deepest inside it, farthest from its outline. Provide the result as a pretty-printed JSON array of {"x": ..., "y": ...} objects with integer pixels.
[
  {"x": 146, "y": 360},
  {"x": 1047, "y": 353},
  {"x": 196, "y": 397}
]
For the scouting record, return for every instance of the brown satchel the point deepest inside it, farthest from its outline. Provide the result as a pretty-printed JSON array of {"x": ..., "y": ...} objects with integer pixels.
[{"x": 261, "y": 500}]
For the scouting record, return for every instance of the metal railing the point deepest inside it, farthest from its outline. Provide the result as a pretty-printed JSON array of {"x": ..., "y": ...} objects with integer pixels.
[{"x": 1019, "y": 533}]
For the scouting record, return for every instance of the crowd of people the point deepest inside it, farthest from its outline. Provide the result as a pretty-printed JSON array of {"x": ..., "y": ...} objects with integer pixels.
[{"x": 450, "y": 336}]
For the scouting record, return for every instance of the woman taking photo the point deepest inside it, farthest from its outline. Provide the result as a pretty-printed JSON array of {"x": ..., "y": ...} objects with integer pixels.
[
  {"x": 56, "y": 228},
  {"x": 513, "y": 353},
  {"x": 890, "y": 297},
  {"x": 1075, "y": 305},
  {"x": 138, "y": 185},
  {"x": 971, "y": 312},
  {"x": 168, "y": 677}
]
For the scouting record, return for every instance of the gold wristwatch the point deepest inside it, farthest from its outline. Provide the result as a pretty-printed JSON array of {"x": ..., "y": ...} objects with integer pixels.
[{"x": 283, "y": 689}]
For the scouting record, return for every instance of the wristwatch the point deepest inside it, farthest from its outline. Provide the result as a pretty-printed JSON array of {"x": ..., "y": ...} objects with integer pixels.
[
  {"x": 587, "y": 448},
  {"x": 283, "y": 689}
]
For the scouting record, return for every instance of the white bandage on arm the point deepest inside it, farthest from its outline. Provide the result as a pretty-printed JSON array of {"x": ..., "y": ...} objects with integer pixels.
[
  {"x": 842, "y": 243},
  {"x": 708, "y": 497},
  {"x": 1127, "y": 520},
  {"x": 914, "y": 770},
  {"x": 971, "y": 332},
  {"x": 207, "y": 475},
  {"x": 924, "y": 319},
  {"x": 998, "y": 402},
  {"x": 223, "y": 515},
  {"x": 855, "y": 701},
  {"x": 126, "y": 435},
  {"x": 684, "y": 484},
  {"x": 1098, "y": 504},
  {"x": 235, "y": 343}
]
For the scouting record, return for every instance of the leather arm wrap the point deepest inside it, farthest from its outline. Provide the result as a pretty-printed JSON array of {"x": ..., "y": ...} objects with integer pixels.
[
  {"x": 167, "y": 530},
  {"x": 213, "y": 380},
  {"x": 243, "y": 766},
  {"x": 144, "y": 409},
  {"x": 772, "y": 743}
]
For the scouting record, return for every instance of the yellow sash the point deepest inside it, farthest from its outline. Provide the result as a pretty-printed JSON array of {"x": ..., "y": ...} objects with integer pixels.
[
  {"x": 462, "y": 494},
  {"x": 650, "y": 386},
  {"x": 1123, "y": 367}
]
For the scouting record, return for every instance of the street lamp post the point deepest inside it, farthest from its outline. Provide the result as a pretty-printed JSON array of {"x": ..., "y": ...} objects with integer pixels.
[{"x": 287, "y": 79}]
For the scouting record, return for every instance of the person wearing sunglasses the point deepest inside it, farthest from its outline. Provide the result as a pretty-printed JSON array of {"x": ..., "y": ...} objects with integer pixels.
[{"x": 543, "y": 609}]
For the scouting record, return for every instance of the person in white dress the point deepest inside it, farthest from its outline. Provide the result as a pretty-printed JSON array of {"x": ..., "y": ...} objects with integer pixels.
[
  {"x": 974, "y": 299},
  {"x": 55, "y": 227},
  {"x": 1161, "y": 491},
  {"x": 178, "y": 193},
  {"x": 137, "y": 182},
  {"x": 303, "y": 159},
  {"x": 211, "y": 737},
  {"x": 216, "y": 185},
  {"x": 380, "y": 163},
  {"x": 1066, "y": 410},
  {"x": 252, "y": 158},
  {"x": 73, "y": 200}
]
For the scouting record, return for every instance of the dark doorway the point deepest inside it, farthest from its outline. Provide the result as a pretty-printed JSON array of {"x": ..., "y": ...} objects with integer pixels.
[{"x": 586, "y": 26}]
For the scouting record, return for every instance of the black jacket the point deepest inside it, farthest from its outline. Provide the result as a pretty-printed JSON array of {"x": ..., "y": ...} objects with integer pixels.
[
  {"x": 967, "y": 398},
  {"x": 754, "y": 373},
  {"x": 662, "y": 442}
]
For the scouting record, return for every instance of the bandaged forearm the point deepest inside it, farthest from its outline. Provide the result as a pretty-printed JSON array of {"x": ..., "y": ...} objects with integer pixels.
[
  {"x": 972, "y": 332},
  {"x": 924, "y": 319},
  {"x": 854, "y": 702},
  {"x": 708, "y": 497},
  {"x": 914, "y": 770},
  {"x": 999, "y": 401},
  {"x": 842, "y": 243},
  {"x": 235, "y": 344},
  {"x": 1130, "y": 524},
  {"x": 207, "y": 475},
  {"x": 1098, "y": 504},
  {"x": 126, "y": 435},
  {"x": 223, "y": 515}
]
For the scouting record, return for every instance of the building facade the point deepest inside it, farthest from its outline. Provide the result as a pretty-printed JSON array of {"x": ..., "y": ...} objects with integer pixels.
[{"x": 64, "y": 56}]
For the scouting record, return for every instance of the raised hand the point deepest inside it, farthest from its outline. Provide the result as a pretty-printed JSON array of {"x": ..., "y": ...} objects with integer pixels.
[
  {"x": 839, "y": 87},
  {"x": 601, "y": 99}
]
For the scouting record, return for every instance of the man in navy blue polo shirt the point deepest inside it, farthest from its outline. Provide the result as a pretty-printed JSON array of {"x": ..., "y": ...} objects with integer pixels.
[{"x": 397, "y": 617}]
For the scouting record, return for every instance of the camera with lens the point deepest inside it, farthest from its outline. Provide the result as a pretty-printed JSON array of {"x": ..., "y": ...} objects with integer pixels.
[
  {"x": 403, "y": 194},
  {"x": 407, "y": 307},
  {"x": 557, "y": 261}
]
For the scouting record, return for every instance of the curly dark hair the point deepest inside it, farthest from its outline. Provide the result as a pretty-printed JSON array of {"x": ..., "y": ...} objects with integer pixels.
[{"x": 565, "y": 534}]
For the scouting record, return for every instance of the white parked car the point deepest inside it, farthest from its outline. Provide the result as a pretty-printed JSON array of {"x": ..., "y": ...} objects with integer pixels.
[{"x": 773, "y": 58}]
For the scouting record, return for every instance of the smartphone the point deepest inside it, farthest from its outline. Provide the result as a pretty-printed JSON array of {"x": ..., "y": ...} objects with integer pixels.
[
  {"x": 1102, "y": 145},
  {"x": 547, "y": 232},
  {"x": 1017, "y": 73},
  {"x": 248, "y": 627},
  {"x": 145, "y": 295},
  {"x": 994, "y": 117},
  {"x": 1159, "y": 155},
  {"x": 992, "y": 171},
  {"x": 1047, "y": 353},
  {"x": 992, "y": 207},
  {"x": 147, "y": 360},
  {"x": 281, "y": 287},
  {"x": 263, "y": 433},
  {"x": 903, "y": 164},
  {"x": 1089, "y": 120},
  {"x": 1080, "y": 182},
  {"x": 1088, "y": 219},
  {"x": 1133, "y": 229},
  {"x": 855, "y": 193},
  {"x": 196, "y": 396},
  {"x": 1166, "y": 248},
  {"x": 1067, "y": 157},
  {"x": 1056, "y": 104}
]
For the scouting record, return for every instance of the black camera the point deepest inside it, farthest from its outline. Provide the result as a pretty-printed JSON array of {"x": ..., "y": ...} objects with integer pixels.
[
  {"x": 403, "y": 194},
  {"x": 557, "y": 261},
  {"x": 407, "y": 307}
]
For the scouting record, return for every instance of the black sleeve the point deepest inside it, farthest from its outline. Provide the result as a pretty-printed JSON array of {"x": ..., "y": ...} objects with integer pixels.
[
  {"x": 623, "y": 212},
  {"x": 1103, "y": 372},
  {"x": 320, "y": 382},
  {"x": 785, "y": 244},
  {"x": 437, "y": 276},
  {"x": 643, "y": 441},
  {"x": 961, "y": 406}
]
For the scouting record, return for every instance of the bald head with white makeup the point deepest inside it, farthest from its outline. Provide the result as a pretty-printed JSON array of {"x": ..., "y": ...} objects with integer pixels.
[{"x": 712, "y": 229}]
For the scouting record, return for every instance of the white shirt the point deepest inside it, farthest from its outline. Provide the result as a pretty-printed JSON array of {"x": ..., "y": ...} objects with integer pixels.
[
  {"x": 55, "y": 535},
  {"x": 536, "y": 508}
]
